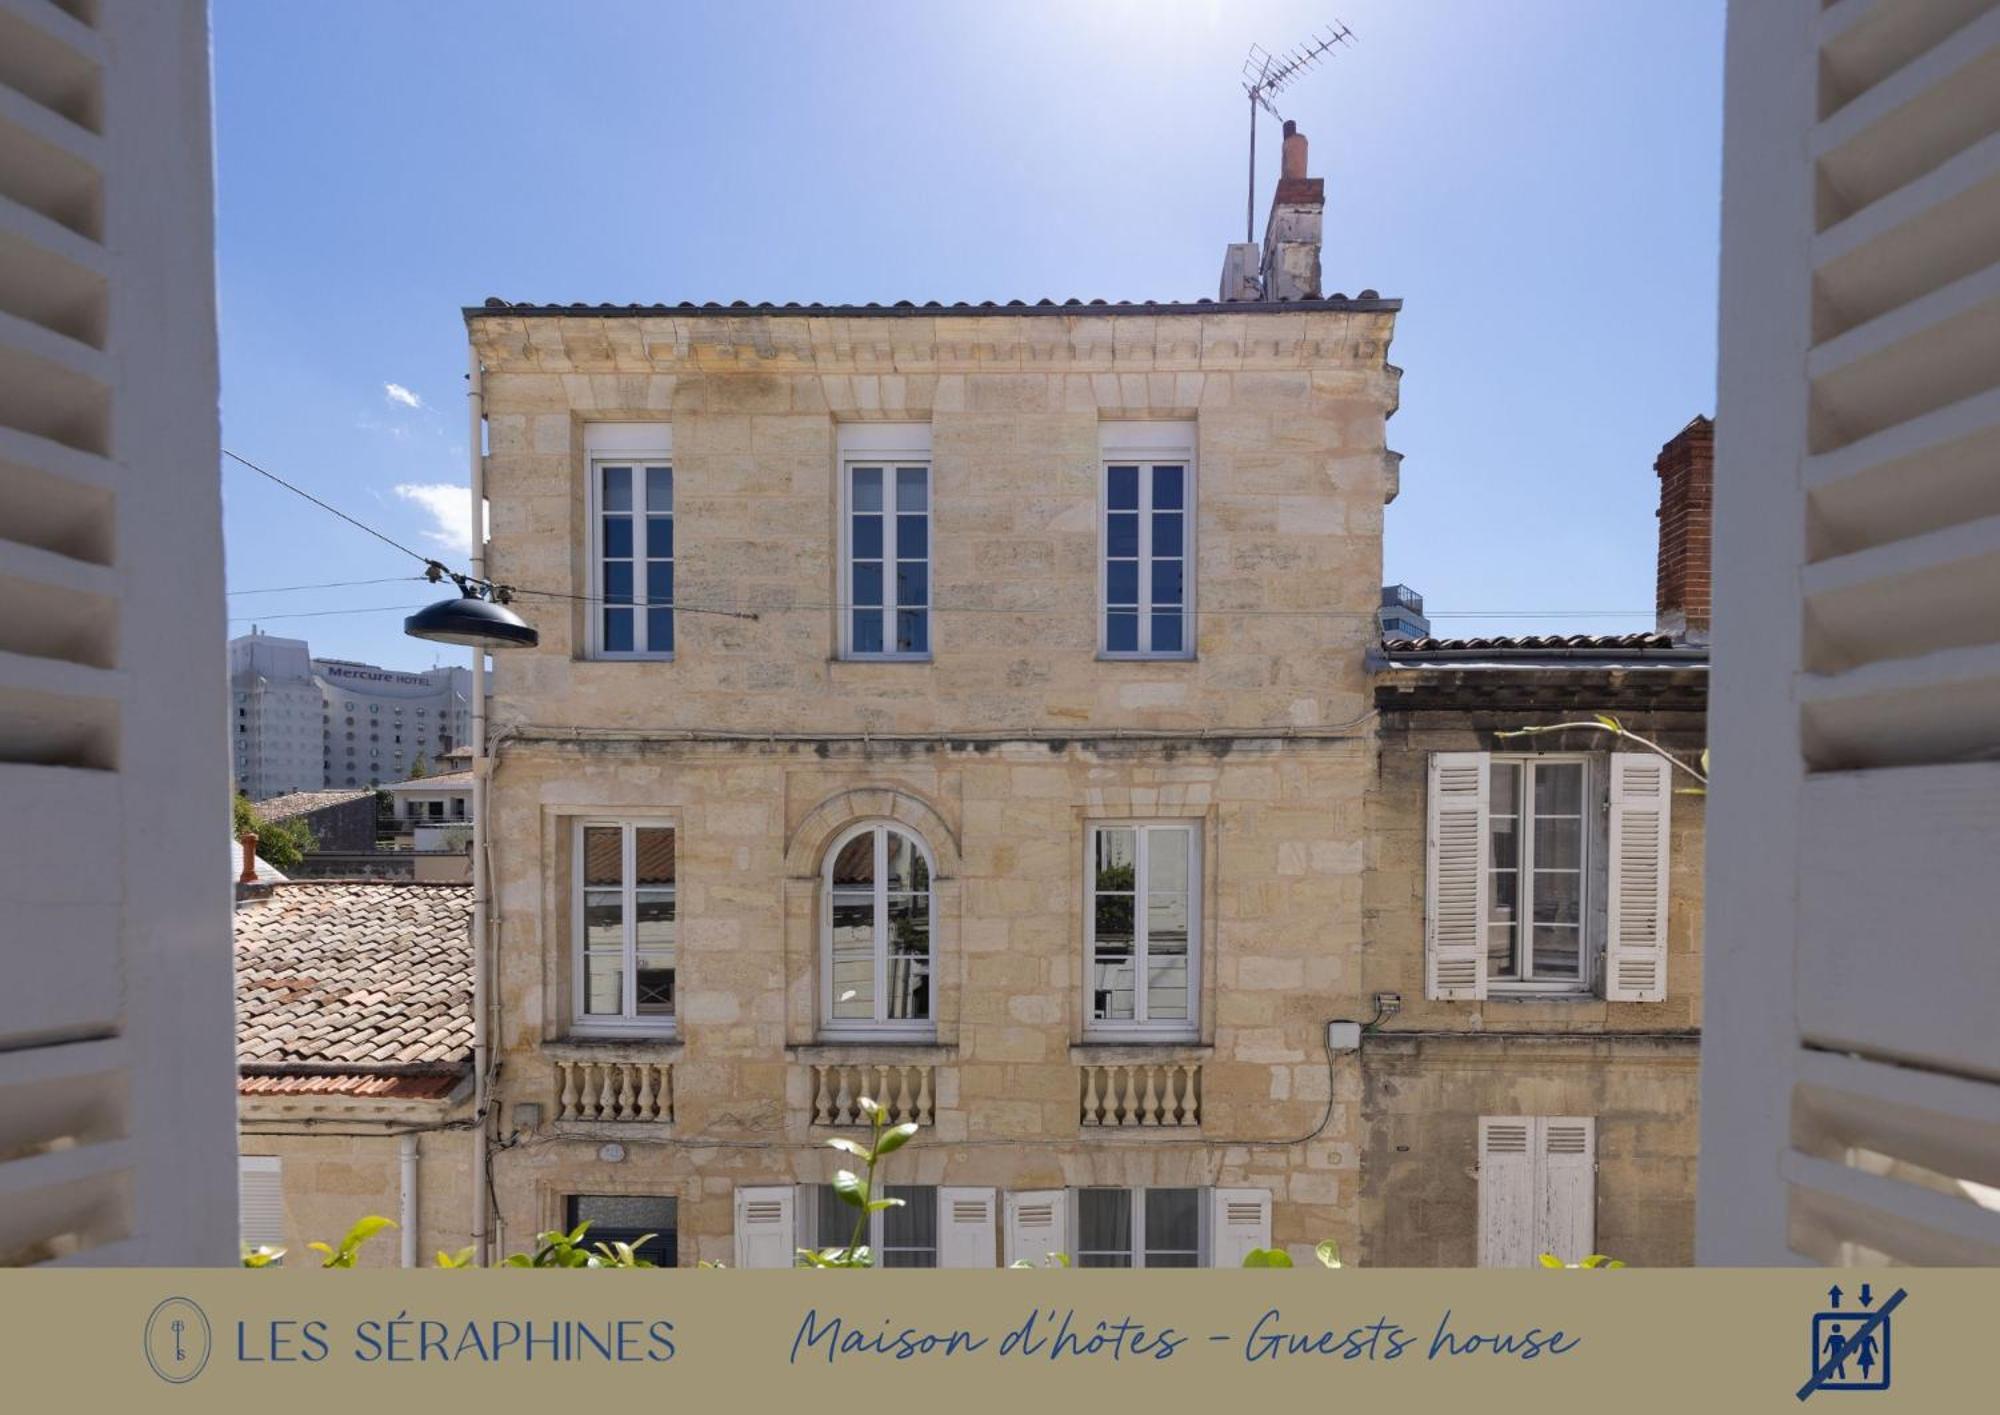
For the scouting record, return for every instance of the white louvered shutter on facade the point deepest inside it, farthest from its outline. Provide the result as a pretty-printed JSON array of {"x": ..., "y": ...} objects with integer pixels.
[
  {"x": 1566, "y": 1207},
  {"x": 967, "y": 1227},
  {"x": 260, "y": 1191},
  {"x": 1037, "y": 1225},
  {"x": 1537, "y": 1188},
  {"x": 1506, "y": 1191},
  {"x": 1455, "y": 861},
  {"x": 764, "y": 1232},
  {"x": 1635, "y": 950},
  {"x": 1239, "y": 1220}
]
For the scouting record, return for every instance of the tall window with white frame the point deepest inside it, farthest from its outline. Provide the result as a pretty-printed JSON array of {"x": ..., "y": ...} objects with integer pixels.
[
  {"x": 1143, "y": 924},
  {"x": 904, "y": 1236},
  {"x": 878, "y": 930},
  {"x": 1138, "y": 1228},
  {"x": 634, "y": 561},
  {"x": 888, "y": 559},
  {"x": 1146, "y": 586},
  {"x": 1537, "y": 877},
  {"x": 625, "y": 927}
]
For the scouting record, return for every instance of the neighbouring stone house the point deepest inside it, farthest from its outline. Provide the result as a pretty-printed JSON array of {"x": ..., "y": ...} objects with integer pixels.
[
  {"x": 1532, "y": 938},
  {"x": 353, "y": 1043},
  {"x": 338, "y": 820},
  {"x": 963, "y": 705}
]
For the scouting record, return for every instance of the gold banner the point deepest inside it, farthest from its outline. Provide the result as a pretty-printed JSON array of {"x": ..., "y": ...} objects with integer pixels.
[{"x": 1630, "y": 1341}]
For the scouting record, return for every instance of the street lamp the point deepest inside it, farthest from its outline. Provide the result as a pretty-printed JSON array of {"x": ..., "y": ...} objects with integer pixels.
[{"x": 478, "y": 618}]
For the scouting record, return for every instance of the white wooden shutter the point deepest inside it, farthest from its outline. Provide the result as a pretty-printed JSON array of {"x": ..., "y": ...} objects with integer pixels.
[
  {"x": 764, "y": 1237},
  {"x": 967, "y": 1224},
  {"x": 1239, "y": 1220},
  {"x": 1455, "y": 877},
  {"x": 1566, "y": 1207},
  {"x": 1037, "y": 1225},
  {"x": 260, "y": 1192},
  {"x": 1507, "y": 1145},
  {"x": 1635, "y": 953}
]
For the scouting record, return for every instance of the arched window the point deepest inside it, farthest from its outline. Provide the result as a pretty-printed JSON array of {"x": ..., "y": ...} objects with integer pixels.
[{"x": 876, "y": 929}]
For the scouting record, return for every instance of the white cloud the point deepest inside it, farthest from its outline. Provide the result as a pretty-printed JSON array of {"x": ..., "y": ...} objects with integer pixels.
[
  {"x": 450, "y": 509},
  {"x": 396, "y": 393}
]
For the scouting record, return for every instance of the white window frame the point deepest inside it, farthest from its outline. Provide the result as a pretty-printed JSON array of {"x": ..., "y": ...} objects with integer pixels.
[
  {"x": 810, "y": 1210},
  {"x": 892, "y": 447},
  {"x": 1584, "y": 984},
  {"x": 876, "y": 1029},
  {"x": 1137, "y": 1238},
  {"x": 1146, "y": 444},
  {"x": 629, "y": 1023},
  {"x": 1140, "y": 1028},
  {"x": 636, "y": 445}
]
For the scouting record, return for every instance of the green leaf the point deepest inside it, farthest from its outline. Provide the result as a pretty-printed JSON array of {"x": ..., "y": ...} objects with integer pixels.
[
  {"x": 366, "y": 1229},
  {"x": 1267, "y": 1258},
  {"x": 875, "y": 1206},
  {"x": 851, "y": 1188},
  {"x": 461, "y": 1259},
  {"x": 517, "y": 1260},
  {"x": 895, "y": 1137},
  {"x": 1610, "y": 722},
  {"x": 876, "y": 1115},
  {"x": 325, "y": 1248},
  {"x": 1328, "y": 1253},
  {"x": 1704, "y": 761},
  {"x": 848, "y": 1147},
  {"x": 1550, "y": 1260}
]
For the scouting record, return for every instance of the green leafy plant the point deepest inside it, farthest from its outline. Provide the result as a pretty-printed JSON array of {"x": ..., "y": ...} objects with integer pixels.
[
  {"x": 1605, "y": 722},
  {"x": 1267, "y": 1258},
  {"x": 1596, "y": 1262},
  {"x": 261, "y": 1256},
  {"x": 1328, "y": 1253},
  {"x": 350, "y": 1247},
  {"x": 857, "y": 1191},
  {"x": 461, "y": 1259},
  {"x": 282, "y": 843},
  {"x": 556, "y": 1249},
  {"x": 1049, "y": 1260}
]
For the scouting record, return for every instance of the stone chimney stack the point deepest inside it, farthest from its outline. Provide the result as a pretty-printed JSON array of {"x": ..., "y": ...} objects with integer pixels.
[
  {"x": 1289, "y": 268},
  {"x": 248, "y": 874},
  {"x": 1686, "y": 467}
]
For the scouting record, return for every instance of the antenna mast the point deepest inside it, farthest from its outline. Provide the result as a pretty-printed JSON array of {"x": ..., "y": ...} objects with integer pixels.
[{"x": 1264, "y": 75}]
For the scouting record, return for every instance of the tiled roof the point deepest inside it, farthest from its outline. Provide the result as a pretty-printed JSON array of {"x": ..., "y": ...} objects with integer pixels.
[
  {"x": 299, "y": 803},
  {"x": 1537, "y": 643},
  {"x": 365, "y": 1086},
  {"x": 1367, "y": 300},
  {"x": 355, "y": 977},
  {"x": 444, "y": 780}
]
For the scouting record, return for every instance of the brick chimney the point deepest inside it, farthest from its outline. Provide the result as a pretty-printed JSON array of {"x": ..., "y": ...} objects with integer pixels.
[
  {"x": 1289, "y": 268},
  {"x": 1686, "y": 467},
  {"x": 249, "y": 843}
]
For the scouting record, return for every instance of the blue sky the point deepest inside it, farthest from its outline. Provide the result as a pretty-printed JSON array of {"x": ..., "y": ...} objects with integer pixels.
[{"x": 1536, "y": 180}]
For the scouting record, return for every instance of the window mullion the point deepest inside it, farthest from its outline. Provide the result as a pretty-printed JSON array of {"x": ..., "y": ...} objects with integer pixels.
[
  {"x": 1145, "y": 639},
  {"x": 1525, "y": 823},
  {"x": 1141, "y": 949},
  {"x": 1138, "y": 1238},
  {"x": 628, "y": 897}
]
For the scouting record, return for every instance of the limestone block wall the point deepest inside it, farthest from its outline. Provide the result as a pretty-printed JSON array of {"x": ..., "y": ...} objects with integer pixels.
[
  {"x": 332, "y": 1179},
  {"x": 1423, "y": 1096}
]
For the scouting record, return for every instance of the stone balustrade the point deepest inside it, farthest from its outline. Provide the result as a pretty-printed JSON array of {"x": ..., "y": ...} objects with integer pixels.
[
  {"x": 1159, "y": 1094},
  {"x": 904, "y": 1090},
  {"x": 637, "y": 1091}
]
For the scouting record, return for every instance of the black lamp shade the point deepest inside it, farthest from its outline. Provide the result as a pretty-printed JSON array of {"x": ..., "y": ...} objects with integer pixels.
[{"x": 476, "y": 623}]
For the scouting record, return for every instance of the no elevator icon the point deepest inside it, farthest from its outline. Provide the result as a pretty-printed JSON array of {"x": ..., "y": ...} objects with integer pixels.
[{"x": 1850, "y": 1346}]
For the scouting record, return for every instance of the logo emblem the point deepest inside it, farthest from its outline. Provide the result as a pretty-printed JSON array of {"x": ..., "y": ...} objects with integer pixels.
[{"x": 177, "y": 1340}]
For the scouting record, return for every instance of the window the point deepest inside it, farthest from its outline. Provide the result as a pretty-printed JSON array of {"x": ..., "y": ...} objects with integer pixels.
[
  {"x": 1537, "y": 1189},
  {"x": 624, "y": 924},
  {"x": 1547, "y": 874},
  {"x": 1143, "y": 927},
  {"x": 1146, "y": 531},
  {"x": 627, "y": 1218},
  {"x": 434, "y": 809},
  {"x": 1538, "y": 841},
  {"x": 634, "y": 560},
  {"x": 885, "y": 541},
  {"x": 877, "y": 927},
  {"x": 1138, "y": 1228},
  {"x": 901, "y": 1237}
]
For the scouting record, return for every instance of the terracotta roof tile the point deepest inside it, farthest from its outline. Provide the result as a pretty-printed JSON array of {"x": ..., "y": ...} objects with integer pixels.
[
  {"x": 332, "y": 975},
  {"x": 299, "y": 803},
  {"x": 1535, "y": 642}
]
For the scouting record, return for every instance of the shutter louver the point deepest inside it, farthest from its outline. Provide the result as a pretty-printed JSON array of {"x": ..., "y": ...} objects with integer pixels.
[
  {"x": 1507, "y": 1191},
  {"x": 1239, "y": 1220},
  {"x": 260, "y": 1191},
  {"x": 764, "y": 1228},
  {"x": 967, "y": 1225},
  {"x": 1456, "y": 852},
  {"x": 1037, "y": 1225},
  {"x": 1566, "y": 1209},
  {"x": 1635, "y": 955}
]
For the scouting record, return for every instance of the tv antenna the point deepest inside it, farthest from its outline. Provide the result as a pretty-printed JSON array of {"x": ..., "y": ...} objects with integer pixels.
[{"x": 1266, "y": 74}]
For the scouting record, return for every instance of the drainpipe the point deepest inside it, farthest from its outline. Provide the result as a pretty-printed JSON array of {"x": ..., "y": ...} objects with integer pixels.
[
  {"x": 407, "y": 1153},
  {"x": 475, "y": 403}
]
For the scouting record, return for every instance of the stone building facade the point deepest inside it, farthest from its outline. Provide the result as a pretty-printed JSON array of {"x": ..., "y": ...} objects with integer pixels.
[{"x": 1116, "y": 772}]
